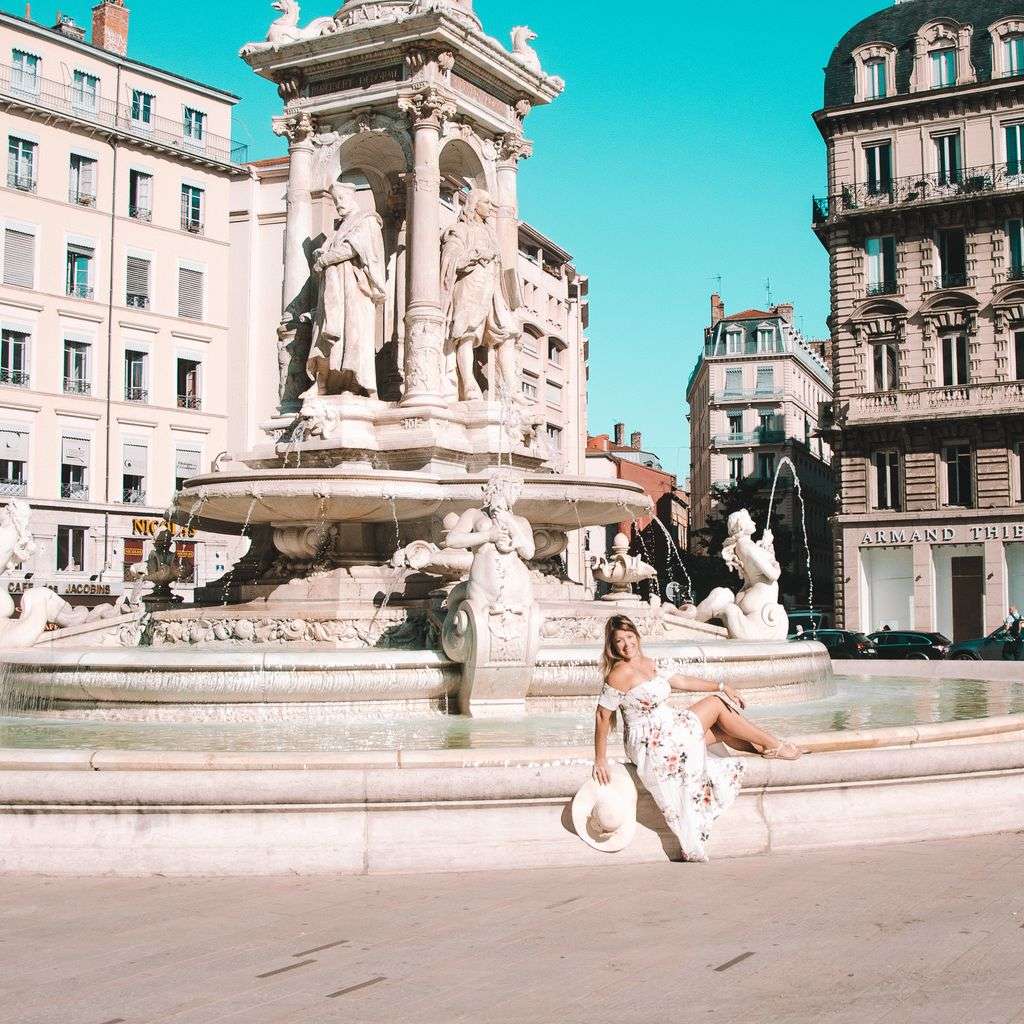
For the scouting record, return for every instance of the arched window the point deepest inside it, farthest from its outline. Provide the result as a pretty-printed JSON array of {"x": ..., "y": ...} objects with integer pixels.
[
  {"x": 556, "y": 351},
  {"x": 875, "y": 67},
  {"x": 942, "y": 56},
  {"x": 1007, "y": 47}
]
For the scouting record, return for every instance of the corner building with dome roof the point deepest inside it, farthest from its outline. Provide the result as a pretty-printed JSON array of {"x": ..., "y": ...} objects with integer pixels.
[{"x": 923, "y": 221}]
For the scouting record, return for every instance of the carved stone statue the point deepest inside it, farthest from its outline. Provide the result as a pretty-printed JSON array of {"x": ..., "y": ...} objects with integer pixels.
[
  {"x": 162, "y": 570},
  {"x": 754, "y": 613},
  {"x": 352, "y": 282},
  {"x": 522, "y": 50},
  {"x": 493, "y": 622},
  {"x": 620, "y": 570},
  {"x": 286, "y": 29},
  {"x": 477, "y": 310}
]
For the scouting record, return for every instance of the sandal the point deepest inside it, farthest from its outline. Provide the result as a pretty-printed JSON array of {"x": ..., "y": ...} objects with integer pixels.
[{"x": 785, "y": 751}]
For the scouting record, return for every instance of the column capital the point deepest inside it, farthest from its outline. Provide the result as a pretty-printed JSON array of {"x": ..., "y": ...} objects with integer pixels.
[
  {"x": 428, "y": 107},
  {"x": 298, "y": 128},
  {"x": 512, "y": 147}
]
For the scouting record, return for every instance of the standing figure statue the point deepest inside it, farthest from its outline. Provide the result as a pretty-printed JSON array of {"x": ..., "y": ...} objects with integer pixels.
[
  {"x": 352, "y": 285},
  {"x": 754, "y": 613},
  {"x": 478, "y": 313}
]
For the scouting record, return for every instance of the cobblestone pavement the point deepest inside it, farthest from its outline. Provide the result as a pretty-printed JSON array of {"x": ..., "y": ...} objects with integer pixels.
[{"x": 930, "y": 933}]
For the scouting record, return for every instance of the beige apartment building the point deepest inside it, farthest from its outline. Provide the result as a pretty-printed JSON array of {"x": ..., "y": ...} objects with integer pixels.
[
  {"x": 924, "y": 225},
  {"x": 113, "y": 297},
  {"x": 755, "y": 398},
  {"x": 555, "y": 303}
]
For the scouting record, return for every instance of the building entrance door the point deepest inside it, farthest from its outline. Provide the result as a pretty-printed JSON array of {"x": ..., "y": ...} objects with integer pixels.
[{"x": 968, "y": 598}]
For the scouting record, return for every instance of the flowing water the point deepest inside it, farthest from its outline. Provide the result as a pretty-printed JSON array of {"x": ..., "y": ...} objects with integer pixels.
[{"x": 786, "y": 461}]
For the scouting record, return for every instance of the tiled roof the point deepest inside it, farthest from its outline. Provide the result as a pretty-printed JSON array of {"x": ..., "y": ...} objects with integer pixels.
[{"x": 751, "y": 314}]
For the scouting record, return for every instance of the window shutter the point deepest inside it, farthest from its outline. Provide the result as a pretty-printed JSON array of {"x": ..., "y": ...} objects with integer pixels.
[
  {"x": 190, "y": 293},
  {"x": 14, "y": 444},
  {"x": 143, "y": 192},
  {"x": 19, "y": 258},
  {"x": 74, "y": 451},
  {"x": 1013, "y": 153},
  {"x": 136, "y": 458},
  {"x": 733, "y": 382},
  {"x": 138, "y": 276},
  {"x": 87, "y": 177},
  {"x": 186, "y": 463},
  {"x": 765, "y": 380}
]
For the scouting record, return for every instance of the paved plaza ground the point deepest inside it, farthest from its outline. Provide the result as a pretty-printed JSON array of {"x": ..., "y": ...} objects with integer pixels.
[{"x": 926, "y": 933}]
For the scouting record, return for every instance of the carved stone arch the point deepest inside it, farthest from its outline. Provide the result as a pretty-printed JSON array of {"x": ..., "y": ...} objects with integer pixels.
[
  {"x": 1002, "y": 31},
  {"x": 372, "y": 140},
  {"x": 879, "y": 309},
  {"x": 942, "y": 33},
  {"x": 949, "y": 302},
  {"x": 863, "y": 56},
  {"x": 464, "y": 165}
]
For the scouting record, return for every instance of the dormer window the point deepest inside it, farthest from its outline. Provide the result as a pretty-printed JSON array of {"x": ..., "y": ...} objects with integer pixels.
[
  {"x": 1013, "y": 56},
  {"x": 943, "y": 67},
  {"x": 1007, "y": 47},
  {"x": 876, "y": 80},
  {"x": 875, "y": 66},
  {"x": 733, "y": 341},
  {"x": 942, "y": 56}
]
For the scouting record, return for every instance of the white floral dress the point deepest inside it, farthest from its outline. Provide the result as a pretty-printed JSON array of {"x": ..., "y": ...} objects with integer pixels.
[{"x": 689, "y": 785}]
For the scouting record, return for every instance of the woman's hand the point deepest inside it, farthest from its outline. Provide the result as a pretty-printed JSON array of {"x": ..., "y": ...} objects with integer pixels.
[
  {"x": 602, "y": 772},
  {"x": 734, "y": 695}
]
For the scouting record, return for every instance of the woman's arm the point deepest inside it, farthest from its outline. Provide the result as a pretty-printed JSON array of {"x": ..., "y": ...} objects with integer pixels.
[
  {"x": 689, "y": 684},
  {"x": 602, "y": 726}
]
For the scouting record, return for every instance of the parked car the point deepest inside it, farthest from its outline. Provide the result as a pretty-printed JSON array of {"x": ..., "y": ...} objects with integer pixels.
[
  {"x": 842, "y": 644},
  {"x": 910, "y": 645},
  {"x": 988, "y": 648},
  {"x": 808, "y": 619}
]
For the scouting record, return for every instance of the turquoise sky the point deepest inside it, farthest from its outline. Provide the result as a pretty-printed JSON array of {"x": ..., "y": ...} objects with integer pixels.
[{"x": 682, "y": 149}]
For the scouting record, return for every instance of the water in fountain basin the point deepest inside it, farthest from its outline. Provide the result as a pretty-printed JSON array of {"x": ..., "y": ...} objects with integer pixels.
[
  {"x": 673, "y": 549},
  {"x": 786, "y": 461},
  {"x": 245, "y": 536}
]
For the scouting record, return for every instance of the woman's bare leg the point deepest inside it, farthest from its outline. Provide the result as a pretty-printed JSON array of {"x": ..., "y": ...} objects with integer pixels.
[
  {"x": 717, "y": 734},
  {"x": 712, "y": 712}
]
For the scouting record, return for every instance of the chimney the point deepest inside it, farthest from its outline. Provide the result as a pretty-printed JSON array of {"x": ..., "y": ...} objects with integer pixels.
[
  {"x": 110, "y": 26},
  {"x": 66, "y": 26},
  {"x": 636, "y": 440},
  {"x": 717, "y": 309},
  {"x": 785, "y": 310},
  {"x": 620, "y": 434}
]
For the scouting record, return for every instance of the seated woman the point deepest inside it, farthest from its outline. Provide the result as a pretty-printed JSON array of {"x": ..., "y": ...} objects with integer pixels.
[{"x": 669, "y": 746}]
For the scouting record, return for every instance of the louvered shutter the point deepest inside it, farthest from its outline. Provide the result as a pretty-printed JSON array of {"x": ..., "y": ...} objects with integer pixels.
[
  {"x": 765, "y": 380},
  {"x": 733, "y": 382},
  {"x": 87, "y": 177},
  {"x": 136, "y": 459},
  {"x": 186, "y": 463},
  {"x": 75, "y": 451},
  {"x": 190, "y": 293},
  {"x": 14, "y": 444},
  {"x": 19, "y": 258},
  {"x": 144, "y": 192},
  {"x": 138, "y": 276}
]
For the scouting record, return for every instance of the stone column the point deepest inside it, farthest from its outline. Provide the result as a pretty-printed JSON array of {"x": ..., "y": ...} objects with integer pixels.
[
  {"x": 299, "y": 225},
  {"x": 511, "y": 149},
  {"x": 424, "y": 320}
]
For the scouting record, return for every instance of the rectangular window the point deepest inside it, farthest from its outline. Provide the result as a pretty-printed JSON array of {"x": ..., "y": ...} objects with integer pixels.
[
  {"x": 879, "y": 168},
  {"x": 955, "y": 360},
  {"x": 770, "y": 425},
  {"x": 734, "y": 382},
  {"x": 1018, "y": 352},
  {"x": 194, "y": 125},
  {"x": 187, "y": 464},
  {"x": 554, "y": 435},
  {"x": 21, "y": 164},
  {"x": 554, "y": 352},
  {"x": 78, "y": 280},
  {"x": 959, "y": 476},
  {"x": 952, "y": 245},
  {"x": 135, "y": 376},
  {"x": 765, "y": 465},
  {"x": 19, "y": 258},
  {"x": 70, "y": 549},
  {"x": 185, "y": 561},
  {"x": 529, "y": 386},
  {"x": 887, "y": 480},
  {"x": 733, "y": 342},
  {"x": 24, "y": 71},
  {"x": 1014, "y": 134},
  {"x": 82, "y": 181},
  {"x": 189, "y": 382},
  {"x": 137, "y": 282},
  {"x": 875, "y": 70},
  {"x": 85, "y": 90},
  {"x": 765, "y": 339},
  {"x": 735, "y": 469},
  {"x": 74, "y": 468},
  {"x": 134, "y": 473},
  {"x": 191, "y": 208},
  {"x": 553, "y": 394},
  {"x": 142, "y": 108},
  {"x": 140, "y": 195},
  {"x": 881, "y": 259},
  {"x": 943, "y": 64},
  {"x": 1015, "y": 238},
  {"x": 76, "y": 368},
  {"x": 190, "y": 293},
  {"x": 13, "y": 461},
  {"x": 766, "y": 380},
  {"x": 885, "y": 360},
  {"x": 1013, "y": 55},
  {"x": 735, "y": 424},
  {"x": 947, "y": 159},
  {"x": 14, "y": 358}
]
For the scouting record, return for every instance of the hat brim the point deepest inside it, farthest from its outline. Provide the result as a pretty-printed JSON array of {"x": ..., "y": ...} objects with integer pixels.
[{"x": 583, "y": 806}]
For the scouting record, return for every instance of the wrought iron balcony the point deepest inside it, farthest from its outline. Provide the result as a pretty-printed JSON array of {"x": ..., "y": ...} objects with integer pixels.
[
  {"x": 917, "y": 189},
  {"x": 191, "y": 224},
  {"x": 951, "y": 280},
  {"x": 35, "y": 92},
  {"x": 887, "y": 287},
  {"x": 81, "y": 198},
  {"x": 140, "y": 212},
  {"x": 79, "y": 492},
  {"x": 746, "y": 440},
  {"x": 80, "y": 291},
  {"x": 13, "y": 488},
  {"x": 133, "y": 496},
  {"x": 1015, "y": 274},
  {"x": 136, "y": 395},
  {"x": 15, "y": 378},
  {"x": 746, "y": 396},
  {"x": 137, "y": 301},
  {"x": 963, "y": 400},
  {"x": 190, "y": 402},
  {"x": 22, "y": 181},
  {"x": 77, "y": 386}
]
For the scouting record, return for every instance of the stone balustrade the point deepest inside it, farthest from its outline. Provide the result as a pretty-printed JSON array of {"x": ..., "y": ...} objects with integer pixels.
[{"x": 994, "y": 397}]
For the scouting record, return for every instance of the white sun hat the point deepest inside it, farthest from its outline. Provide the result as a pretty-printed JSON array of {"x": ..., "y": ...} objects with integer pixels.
[{"x": 605, "y": 816}]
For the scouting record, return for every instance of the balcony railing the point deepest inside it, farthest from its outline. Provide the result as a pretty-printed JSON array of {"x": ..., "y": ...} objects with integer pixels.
[
  {"x": 951, "y": 280},
  {"x": 76, "y": 386},
  {"x": 76, "y": 195},
  {"x": 80, "y": 291},
  {"x": 15, "y": 378},
  {"x": 191, "y": 224},
  {"x": 140, "y": 212},
  {"x": 136, "y": 395},
  {"x": 190, "y": 402},
  {"x": 22, "y": 181},
  {"x": 137, "y": 301},
  {"x": 77, "y": 491},
  {"x": 966, "y": 400},
  {"x": 746, "y": 395},
  {"x": 745, "y": 440},
  {"x": 916, "y": 189},
  {"x": 887, "y": 287},
  {"x": 63, "y": 98},
  {"x": 13, "y": 488},
  {"x": 1015, "y": 274},
  {"x": 133, "y": 496}
]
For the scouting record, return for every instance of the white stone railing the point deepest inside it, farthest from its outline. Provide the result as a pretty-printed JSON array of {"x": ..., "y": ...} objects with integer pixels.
[{"x": 927, "y": 403}]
